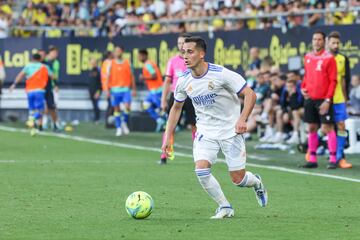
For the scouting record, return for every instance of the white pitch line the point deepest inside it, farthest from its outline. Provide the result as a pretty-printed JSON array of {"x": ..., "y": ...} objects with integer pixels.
[
  {"x": 283, "y": 169},
  {"x": 7, "y": 161},
  {"x": 130, "y": 146}
]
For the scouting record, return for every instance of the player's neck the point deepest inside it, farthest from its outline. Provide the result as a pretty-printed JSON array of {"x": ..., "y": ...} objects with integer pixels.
[
  {"x": 334, "y": 52},
  {"x": 320, "y": 51},
  {"x": 200, "y": 69}
]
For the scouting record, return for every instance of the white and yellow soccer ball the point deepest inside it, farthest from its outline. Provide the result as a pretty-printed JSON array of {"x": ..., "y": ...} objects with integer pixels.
[{"x": 139, "y": 205}]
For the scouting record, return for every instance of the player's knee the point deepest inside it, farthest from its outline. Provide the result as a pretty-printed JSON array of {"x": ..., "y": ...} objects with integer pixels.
[
  {"x": 237, "y": 176},
  {"x": 312, "y": 127},
  {"x": 237, "y": 180},
  {"x": 286, "y": 118},
  {"x": 116, "y": 109},
  {"x": 202, "y": 164},
  {"x": 127, "y": 108},
  {"x": 341, "y": 126},
  {"x": 117, "y": 114},
  {"x": 326, "y": 128}
]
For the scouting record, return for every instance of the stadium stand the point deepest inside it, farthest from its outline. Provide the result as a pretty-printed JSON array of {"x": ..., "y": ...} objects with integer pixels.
[{"x": 111, "y": 18}]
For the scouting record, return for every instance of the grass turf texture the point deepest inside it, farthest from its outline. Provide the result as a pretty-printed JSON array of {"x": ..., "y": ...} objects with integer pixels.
[{"x": 54, "y": 188}]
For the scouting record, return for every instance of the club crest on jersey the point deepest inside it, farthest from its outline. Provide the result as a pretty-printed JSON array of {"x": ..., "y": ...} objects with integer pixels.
[
  {"x": 189, "y": 89},
  {"x": 318, "y": 65},
  {"x": 211, "y": 85}
]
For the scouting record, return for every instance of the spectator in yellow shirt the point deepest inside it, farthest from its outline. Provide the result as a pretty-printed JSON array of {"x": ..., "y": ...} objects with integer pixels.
[
  {"x": 344, "y": 18},
  {"x": 28, "y": 13},
  {"x": 5, "y": 8},
  {"x": 39, "y": 16}
]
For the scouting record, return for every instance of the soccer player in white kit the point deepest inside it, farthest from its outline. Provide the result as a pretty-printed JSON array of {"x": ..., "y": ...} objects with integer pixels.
[{"x": 214, "y": 91}]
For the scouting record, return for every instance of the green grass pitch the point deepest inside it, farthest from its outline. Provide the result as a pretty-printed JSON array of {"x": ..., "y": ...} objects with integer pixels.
[{"x": 55, "y": 188}]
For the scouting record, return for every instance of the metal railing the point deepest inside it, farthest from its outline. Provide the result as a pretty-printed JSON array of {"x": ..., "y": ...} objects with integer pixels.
[
  {"x": 169, "y": 22},
  {"x": 244, "y": 16}
]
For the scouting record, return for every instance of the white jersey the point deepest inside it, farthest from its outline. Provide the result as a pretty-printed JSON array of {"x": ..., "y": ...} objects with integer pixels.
[{"x": 215, "y": 99}]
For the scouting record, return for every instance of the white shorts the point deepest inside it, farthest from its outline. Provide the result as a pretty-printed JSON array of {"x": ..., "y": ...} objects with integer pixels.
[{"x": 232, "y": 148}]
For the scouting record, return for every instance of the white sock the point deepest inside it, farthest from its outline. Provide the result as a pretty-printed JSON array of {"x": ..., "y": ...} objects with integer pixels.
[
  {"x": 250, "y": 180},
  {"x": 211, "y": 186},
  {"x": 264, "y": 115}
]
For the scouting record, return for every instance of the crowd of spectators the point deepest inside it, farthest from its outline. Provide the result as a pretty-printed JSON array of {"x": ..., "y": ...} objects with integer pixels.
[
  {"x": 110, "y": 17},
  {"x": 279, "y": 106}
]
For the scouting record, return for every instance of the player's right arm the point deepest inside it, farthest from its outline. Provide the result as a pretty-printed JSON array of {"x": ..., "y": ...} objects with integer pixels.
[
  {"x": 166, "y": 90},
  {"x": 175, "y": 112},
  {"x": 303, "y": 83},
  {"x": 172, "y": 121},
  {"x": 166, "y": 86},
  {"x": 18, "y": 79},
  {"x": 347, "y": 78},
  {"x": 106, "y": 80}
]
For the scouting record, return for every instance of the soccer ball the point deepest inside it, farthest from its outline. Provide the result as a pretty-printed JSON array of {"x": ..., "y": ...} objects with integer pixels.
[{"x": 139, "y": 205}]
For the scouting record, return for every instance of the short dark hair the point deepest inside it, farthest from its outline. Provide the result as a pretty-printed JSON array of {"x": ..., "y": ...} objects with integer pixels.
[
  {"x": 108, "y": 54},
  {"x": 52, "y": 48},
  {"x": 200, "y": 43},
  {"x": 143, "y": 52},
  {"x": 334, "y": 34},
  {"x": 36, "y": 57},
  {"x": 283, "y": 77},
  {"x": 295, "y": 72},
  {"x": 321, "y": 33}
]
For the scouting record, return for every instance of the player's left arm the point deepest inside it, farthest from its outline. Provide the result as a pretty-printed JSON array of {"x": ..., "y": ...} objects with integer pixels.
[
  {"x": 347, "y": 78},
  {"x": 133, "y": 83},
  {"x": 249, "y": 103},
  {"x": 56, "y": 68},
  {"x": 18, "y": 79},
  {"x": 152, "y": 72},
  {"x": 237, "y": 84},
  {"x": 332, "y": 74}
]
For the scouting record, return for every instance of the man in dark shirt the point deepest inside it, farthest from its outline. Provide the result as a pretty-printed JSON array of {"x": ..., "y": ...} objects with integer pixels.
[
  {"x": 95, "y": 88},
  {"x": 51, "y": 109}
]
